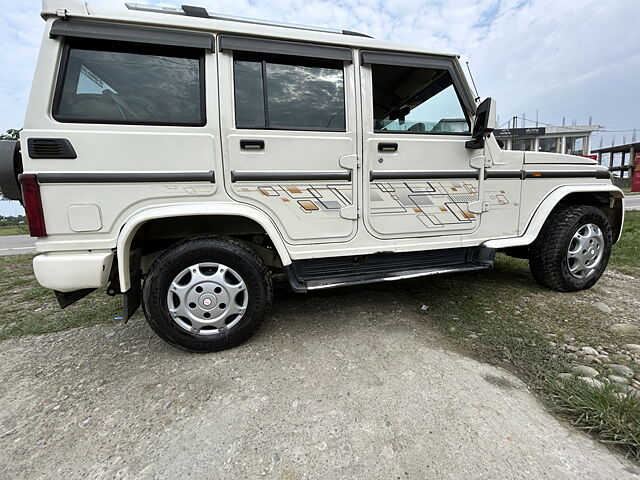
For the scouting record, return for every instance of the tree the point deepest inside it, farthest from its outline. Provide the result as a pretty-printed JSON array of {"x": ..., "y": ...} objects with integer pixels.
[{"x": 11, "y": 134}]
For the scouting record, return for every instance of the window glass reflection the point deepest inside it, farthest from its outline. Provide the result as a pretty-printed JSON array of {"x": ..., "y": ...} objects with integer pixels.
[{"x": 300, "y": 93}]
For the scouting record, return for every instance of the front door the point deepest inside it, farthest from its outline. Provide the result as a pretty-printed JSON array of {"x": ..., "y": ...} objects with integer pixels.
[
  {"x": 288, "y": 128},
  {"x": 418, "y": 180}
]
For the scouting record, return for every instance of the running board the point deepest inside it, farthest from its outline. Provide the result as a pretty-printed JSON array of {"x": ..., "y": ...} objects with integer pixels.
[{"x": 320, "y": 273}]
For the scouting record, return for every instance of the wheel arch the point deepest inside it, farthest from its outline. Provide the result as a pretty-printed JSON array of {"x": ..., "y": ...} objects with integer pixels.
[
  {"x": 139, "y": 220},
  {"x": 609, "y": 198}
]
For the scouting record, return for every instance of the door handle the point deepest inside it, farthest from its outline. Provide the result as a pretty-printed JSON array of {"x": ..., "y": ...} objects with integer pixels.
[
  {"x": 387, "y": 147},
  {"x": 252, "y": 144}
]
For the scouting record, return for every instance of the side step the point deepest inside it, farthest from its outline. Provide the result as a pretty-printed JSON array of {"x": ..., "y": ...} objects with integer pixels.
[{"x": 318, "y": 273}]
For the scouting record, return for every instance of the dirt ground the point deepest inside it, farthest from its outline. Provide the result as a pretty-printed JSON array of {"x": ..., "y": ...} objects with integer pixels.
[{"x": 351, "y": 383}]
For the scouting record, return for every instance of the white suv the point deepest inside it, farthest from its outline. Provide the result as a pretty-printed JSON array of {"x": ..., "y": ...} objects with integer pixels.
[{"x": 180, "y": 158}]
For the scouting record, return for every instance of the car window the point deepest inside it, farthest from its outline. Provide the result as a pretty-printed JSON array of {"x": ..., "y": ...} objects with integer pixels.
[
  {"x": 416, "y": 100},
  {"x": 116, "y": 82},
  {"x": 283, "y": 92}
]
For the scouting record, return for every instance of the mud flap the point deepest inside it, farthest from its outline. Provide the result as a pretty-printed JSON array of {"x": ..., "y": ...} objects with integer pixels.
[
  {"x": 132, "y": 298},
  {"x": 67, "y": 298}
]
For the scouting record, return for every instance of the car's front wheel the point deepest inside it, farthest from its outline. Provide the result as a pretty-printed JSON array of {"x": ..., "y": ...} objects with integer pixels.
[
  {"x": 207, "y": 294},
  {"x": 572, "y": 249}
]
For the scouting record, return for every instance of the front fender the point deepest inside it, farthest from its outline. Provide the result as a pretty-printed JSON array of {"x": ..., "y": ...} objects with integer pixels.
[
  {"x": 128, "y": 231},
  {"x": 545, "y": 207}
]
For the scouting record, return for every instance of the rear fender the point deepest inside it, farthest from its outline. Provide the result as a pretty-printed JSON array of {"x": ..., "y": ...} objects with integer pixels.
[{"x": 130, "y": 228}]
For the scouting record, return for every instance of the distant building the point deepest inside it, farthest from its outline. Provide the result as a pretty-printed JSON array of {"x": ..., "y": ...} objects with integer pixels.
[{"x": 574, "y": 140}]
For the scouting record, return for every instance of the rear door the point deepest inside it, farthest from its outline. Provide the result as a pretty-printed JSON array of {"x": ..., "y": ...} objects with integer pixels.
[
  {"x": 288, "y": 121},
  {"x": 417, "y": 175}
]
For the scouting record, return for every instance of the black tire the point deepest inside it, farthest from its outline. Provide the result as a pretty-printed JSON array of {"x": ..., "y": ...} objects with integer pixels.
[
  {"x": 548, "y": 253},
  {"x": 231, "y": 253}
]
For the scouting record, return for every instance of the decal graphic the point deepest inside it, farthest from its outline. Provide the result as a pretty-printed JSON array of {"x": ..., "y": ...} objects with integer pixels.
[
  {"x": 325, "y": 199},
  {"x": 436, "y": 204}
]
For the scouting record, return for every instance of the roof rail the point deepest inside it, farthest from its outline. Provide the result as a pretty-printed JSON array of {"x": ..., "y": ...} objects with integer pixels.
[{"x": 201, "y": 12}]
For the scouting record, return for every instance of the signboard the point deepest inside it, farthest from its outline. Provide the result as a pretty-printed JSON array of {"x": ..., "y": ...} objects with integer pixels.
[
  {"x": 518, "y": 132},
  {"x": 635, "y": 180}
]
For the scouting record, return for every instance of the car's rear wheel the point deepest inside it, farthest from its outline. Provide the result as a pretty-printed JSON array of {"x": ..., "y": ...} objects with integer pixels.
[
  {"x": 572, "y": 249},
  {"x": 207, "y": 294}
]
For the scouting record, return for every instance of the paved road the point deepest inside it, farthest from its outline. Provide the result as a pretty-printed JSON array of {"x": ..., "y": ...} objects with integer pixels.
[
  {"x": 16, "y": 244},
  {"x": 632, "y": 202},
  {"x": 352, "y": 383}
]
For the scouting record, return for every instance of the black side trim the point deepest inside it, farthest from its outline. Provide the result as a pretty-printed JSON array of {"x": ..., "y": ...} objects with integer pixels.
[
  {"x": 566, "y": 174},
  {"x": 130, "y": 33},
  {"x": 420, "y": 175},
  {"x": 281, "y": 47},
  {"x": 132, "y": 177},
  {"x": 503, "y": 174},
  {"x": 67, "y": 298},
  {"x": 288, "y": 176},
  {"x": 50, "y": 148}
]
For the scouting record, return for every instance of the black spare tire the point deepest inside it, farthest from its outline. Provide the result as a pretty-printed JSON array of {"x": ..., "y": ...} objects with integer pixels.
[{"x": 10, "y": 168}]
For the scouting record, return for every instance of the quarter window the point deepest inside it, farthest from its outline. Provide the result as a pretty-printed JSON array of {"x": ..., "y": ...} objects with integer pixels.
[
  {"x": 115, "y": 82},
  {"x": 416, "y": 100},
  {"x": 281, "y": 92}
]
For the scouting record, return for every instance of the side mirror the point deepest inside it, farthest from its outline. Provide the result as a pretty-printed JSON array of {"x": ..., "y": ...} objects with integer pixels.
[{"x": 485, "y": 123}]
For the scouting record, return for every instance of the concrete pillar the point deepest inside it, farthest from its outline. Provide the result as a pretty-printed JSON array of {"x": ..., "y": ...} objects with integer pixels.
[
  {"x": 563, "y": 144},
  {"x": 587, "y": 145},
  {"x": 599, "y": 158},
  {"x": 536, "y": 144},
  {"x": 622, "y": 164}
]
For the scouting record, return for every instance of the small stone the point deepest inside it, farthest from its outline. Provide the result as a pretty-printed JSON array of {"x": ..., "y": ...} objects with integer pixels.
[
  {"x": 473, "y": 335},
  {"x": 617, "y": 379},
  {"x": 572, "y": 356},
  {"x": 424, "y": 307},
  {"x": 565, "y": 376},
  {"x": 603, "y": 307},
  {"x": 452, "y": 329},
  {"x": 592, "y": 381},
  {"x": 622, "y": 387},
  {"x": 634, "y": 393},
  {"x": 568, "y": 338},
  {"x": 620, "y": 357},
  {"x": 624, "y": 328},
  {"x": 637, "y": 377},
  {"x": 632, "y": 347},
  {"x": 604, "y": 358},
  {"x": 620, "y": 395},
  {"x": 580, "y": 353},
  {"x": 570, "y": 348},
  {"x": 622, "y": 370},
  {"x": 589, "y": 351},
  {"x": 585, "y": 371},
  {"x": 110, "y": 334}
]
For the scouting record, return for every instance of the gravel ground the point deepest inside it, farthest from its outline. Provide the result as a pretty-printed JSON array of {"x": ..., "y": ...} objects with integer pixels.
[{"x": 345, "y": 384}]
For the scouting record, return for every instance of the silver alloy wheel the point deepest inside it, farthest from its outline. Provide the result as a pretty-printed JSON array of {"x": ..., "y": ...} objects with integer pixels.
[
  {"x": 585, "y": 250},
  {"x": 207, "y": 298}
]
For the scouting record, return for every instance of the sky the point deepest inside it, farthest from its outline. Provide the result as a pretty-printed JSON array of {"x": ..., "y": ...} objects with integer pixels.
[{"x": 560, "y": 58}]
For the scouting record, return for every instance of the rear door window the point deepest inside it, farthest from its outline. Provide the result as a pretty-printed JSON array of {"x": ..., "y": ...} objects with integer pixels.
[
  {"x": 116, "y": 82},
  {"x": 288, "y": 93}
]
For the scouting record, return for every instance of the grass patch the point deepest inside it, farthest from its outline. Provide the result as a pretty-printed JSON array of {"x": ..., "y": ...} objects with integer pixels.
[
  {"x": 626, "y": 253},
  {"x": 14, "y": 230},
  {"x": 598, "y": 411},
  {"x": 27, "y": 308}
]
